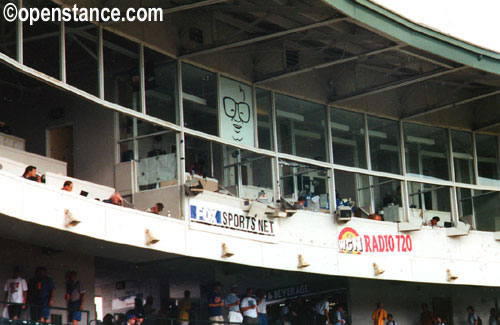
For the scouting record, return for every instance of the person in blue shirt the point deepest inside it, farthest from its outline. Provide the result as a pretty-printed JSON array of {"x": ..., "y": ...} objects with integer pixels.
[
  {"x": 339, "y": 316},
  {"x": 41, "y": 290},
  {"x": 232, "y": 303},
  {"x": 215, "y": 303}
]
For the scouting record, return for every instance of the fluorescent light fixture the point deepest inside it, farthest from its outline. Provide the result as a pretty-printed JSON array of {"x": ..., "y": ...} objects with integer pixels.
[
  {"x": 347, "y": 142},
  {"x": 374, "y": 134},
  {"x": 307, "y": 134},
  {"x": 289, "y": 115},
  {"x": 419, "y": 140},
  {"x": 461, "y": 155},
  {"x": 340, "y": 127},
  {"x": 194, "y": 99}
]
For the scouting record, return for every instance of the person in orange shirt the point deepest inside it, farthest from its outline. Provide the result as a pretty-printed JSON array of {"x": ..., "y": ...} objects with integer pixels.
[{"x": 379, "y": 315}]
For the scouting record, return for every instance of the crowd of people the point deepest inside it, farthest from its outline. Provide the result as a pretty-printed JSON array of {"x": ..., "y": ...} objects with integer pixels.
[
  {"x": 30, "y": 173},
  {"x": 427, "y": 317},
  {"x": 38, "y": 294}
]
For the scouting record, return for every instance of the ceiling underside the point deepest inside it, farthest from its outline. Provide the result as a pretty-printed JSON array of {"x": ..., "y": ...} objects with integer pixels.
[{"x": 308, "y": 48}]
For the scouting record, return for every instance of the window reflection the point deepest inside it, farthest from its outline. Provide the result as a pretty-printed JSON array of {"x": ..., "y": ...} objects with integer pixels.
[
  {"x": 264, "y": 119},
  {"x": 385, "y": 150},
  {"x": 301, "y": 127},
  {"x": 487, "y": 159},
  {"x": 463, "y": 156},
  {"x": 429, "y": 200},
  {"x": 348, "y": 138},
  {"x": 426, "y": 151},
  {"x": 8, "y": 33}
]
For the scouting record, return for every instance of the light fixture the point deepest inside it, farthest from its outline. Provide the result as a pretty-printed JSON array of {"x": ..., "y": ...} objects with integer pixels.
[
  {"x": 70, "y": 220},
  {"x": 150, "y": 239},
  {"x": 451, "y": 276},
  {"x": 302, "y": 264},
  {"x": 225, "y": 251},
  {"x": 377, "y": 269}
]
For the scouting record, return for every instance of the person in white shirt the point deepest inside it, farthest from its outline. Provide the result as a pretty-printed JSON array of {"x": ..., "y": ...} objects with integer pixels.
[
  {"x": 321, "y": 309},
  {"x": 16, "y": 290},
  {"x": 391, "y": 321},
  {"x": 249, "y": 308},
  {"x": 262, "y": 308}
]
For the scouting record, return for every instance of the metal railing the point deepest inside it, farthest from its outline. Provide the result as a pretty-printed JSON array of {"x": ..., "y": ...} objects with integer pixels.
[
  {"x": 121, "y": 319},
  {"x": 58, "y": 315}
]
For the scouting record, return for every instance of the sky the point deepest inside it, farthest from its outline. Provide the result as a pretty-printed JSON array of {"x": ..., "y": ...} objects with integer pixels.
[{"x": 473, "y": 21}]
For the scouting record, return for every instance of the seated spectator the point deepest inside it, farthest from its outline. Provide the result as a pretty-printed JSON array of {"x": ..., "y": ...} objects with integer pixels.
[
  {"x": 299, "y": 205},
  {"x": 434, "y": 222},
  {"x": 115, "y": 199},
  {"x": 375, "y": 216},
  {"x": 30, "y": 173},
  {"x": 67, "y": 186},
  {"x": 156, "y": 209}
]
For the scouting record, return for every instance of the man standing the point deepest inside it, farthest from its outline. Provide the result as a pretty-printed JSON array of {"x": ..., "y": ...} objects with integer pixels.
[
  {"x": 233, "y": 305},
  {"x": 472, "y": 317},
  {"x": 215, "y": 303},
  {"x": 15, "y": 291},
  {"x": 249, "y": 308},
  {"x": 41, "y": 290},
  {"x": 322, "y": 309},
  {"x": 262, "y": 308},
  {"x": 426, "y": 317},
  {"x": 75, "y": 296},
  {"x": 185, "y": 308},
  {"x": 379, "y": 315},
  {"x": 339, "y": 316}
]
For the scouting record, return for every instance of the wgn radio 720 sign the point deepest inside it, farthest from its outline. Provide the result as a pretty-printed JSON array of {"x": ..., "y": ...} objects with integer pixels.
[{"x": 352, "y": 242}]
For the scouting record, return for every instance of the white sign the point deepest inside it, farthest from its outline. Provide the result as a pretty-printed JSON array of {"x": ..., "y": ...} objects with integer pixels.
[
  {"x": 228, "y": 217},
  {"x": 236, "y": 112}
]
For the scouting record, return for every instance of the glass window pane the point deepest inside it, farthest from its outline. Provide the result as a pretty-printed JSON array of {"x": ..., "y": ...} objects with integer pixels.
[
  {"x": 41, "y": 49},
  {"x": 301, "y": 127},
  {"x": 386, "y": 193},
  {"x": 297, "y": 179},
  {"x": 348, "y": 138},
  {"x": 487, "y": 210},
  {"x": 125, "y": 126},
  {"x": 354, "y": 188},
  {"x": 463, "y": 156},
  {"x": 434, "y": 200},
  {"x": 157, "y": 166},
  {"x": 8, "y": 33},
  {"x": 264, "y": 119},
  {"x": 426, "y": 151},
  {"x": 465, "y": 206},
  {"x": 126, "y": 151},
  {"x": 121, "y": 71},
  {"x": 257, "y": 176},
  {"x": 487, "y": 159},
  {"x": 161, "y": 85},
  {"x": 385, "y": 150},
  {"x": 82, "y": 58},
  {"x": 199, "y": 94}
]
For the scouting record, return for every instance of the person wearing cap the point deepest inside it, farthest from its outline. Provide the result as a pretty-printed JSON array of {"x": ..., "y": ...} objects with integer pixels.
[
  {"x": 215, "y": 303},
  {"x": 16, "y": 290},
  {"x": 139, "y": 319},
  {"x": 131, "y": 319},
  {"x": 233, "y": 305},
  {"x": 249, "y": 308}
]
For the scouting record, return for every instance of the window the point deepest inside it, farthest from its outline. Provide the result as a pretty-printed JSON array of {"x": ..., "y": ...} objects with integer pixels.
[
  {"x": 161, "y": 85},
  {"x": 348, "y": 136},
  {"x": 157, "y": 165},
  {"x": 199, "y": 99},
  {"x": 122, "y": 82},
  {"x": 301, "y": 127},
  {"x": 297, "y": 179},
  {"x": 433, "y": 200},
  {"x": 426, "y": 151},
  {"x": 481, "y": 209},
  {"x": 264, "y": 119},
  {"x": 8, "y": 33},
  {"x": 239, "y": 172},
  {"x": 41, "y": 46},
  {"x": 487, "y": 159},
  {"x": 354, "y": 188},
  {"x": 82, "y": 56},
  {"x": 463, "y": 156},
  {"x": 385, "y": 145}
]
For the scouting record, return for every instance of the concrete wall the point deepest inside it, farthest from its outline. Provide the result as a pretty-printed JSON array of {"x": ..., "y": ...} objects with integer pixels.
[{"x": 93, "y": 130}]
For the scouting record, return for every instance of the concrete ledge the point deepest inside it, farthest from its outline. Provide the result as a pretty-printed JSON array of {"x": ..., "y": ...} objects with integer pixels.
[
  {"x": 408, "y": 226},
  {"x": 497, "y": 235}
]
